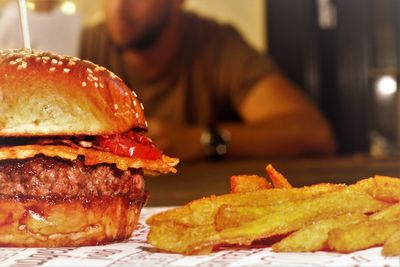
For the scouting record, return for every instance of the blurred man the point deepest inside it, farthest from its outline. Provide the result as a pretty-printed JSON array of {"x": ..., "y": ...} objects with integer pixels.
[{"x": 205, "y": 91}]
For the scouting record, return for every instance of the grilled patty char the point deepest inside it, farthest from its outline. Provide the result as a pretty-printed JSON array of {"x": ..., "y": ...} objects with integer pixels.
[{"x": 43, "y": 177}]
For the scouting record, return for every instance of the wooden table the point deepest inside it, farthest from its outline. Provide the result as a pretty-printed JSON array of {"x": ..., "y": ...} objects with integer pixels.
[{"x": 198, "y": 179}]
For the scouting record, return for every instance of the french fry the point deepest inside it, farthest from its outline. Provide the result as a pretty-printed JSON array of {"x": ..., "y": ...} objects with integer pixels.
[
  {"x": 178, "y": 238},
  {"x": 318, "y": 217},
  {"x": 202, "y": 211},
  {"x": 387, "y": 188},
  {"x": 248, "y": 183},
  {"x": 278, "y": 180},
  {"x": 392, "y": 245},
  {"x": 290, "y": 216},
  {"x": 314, "y": 236},
  {"x": 388, "y": 213},
  {"x": 229, "y": 216},
  {"x": 367, "y": 185},
  {"x": 366, "y": 237},
  {"x": 362, "y": 235}
]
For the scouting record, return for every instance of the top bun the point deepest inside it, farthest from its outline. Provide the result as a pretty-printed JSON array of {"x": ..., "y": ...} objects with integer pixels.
[{"x": 45, "y": 94}]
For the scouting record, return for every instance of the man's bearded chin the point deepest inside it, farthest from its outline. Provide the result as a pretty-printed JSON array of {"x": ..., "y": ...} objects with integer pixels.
[{"x": 149, "y": 37}]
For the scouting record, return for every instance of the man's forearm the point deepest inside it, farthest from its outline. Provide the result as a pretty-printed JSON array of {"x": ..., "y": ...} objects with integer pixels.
[{"x": 287, "y": 135}]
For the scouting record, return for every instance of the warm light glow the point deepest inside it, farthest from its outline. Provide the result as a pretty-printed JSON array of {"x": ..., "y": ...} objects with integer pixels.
[
  {"x": 30, "y": 5},
  {"x": 386, "y": 85},
  {"x": 68, "y": 8}
]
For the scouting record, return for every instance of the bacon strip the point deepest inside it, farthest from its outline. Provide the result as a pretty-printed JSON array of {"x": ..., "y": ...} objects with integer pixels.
[{"x": 91, "y": 156}]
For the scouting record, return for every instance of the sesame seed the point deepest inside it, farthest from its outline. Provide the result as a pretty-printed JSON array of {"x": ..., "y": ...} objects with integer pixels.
[
  {"x": 37, "y": 59},
  {"x": 23, "y": 65},
  {"x": 131, "y": 151},
  {"x": 18, "y": 60},
  {"x": 137, "y": 115},
  {"x": 46, "y": 58},
  {"x": 45, "y": 61},
  {"x": 89, "y": 70},
  {"x": 71, "y": 63},
  {"x": 13, "y": 62},
  {"x": 95, "y": 78},
  {"x": 60, "y": 63},
  {"x": 145, "y": 123},
  {"x": 52, "y": 69},
  {"x": 89, "y": 78},
  {"x": 96, "y": 84},
  {"x": 134, "y": 103},
  {"x": 133, "y": 92},
  {"x": 84, "y": 84},
  {"x": 54, "y": 61},
  {"x": 141, "y": 105},
  {"x": 66, "y": 70},
  {"x": 115, "y": 106},
  {"x": 101, "y": 85},
  {"x": 21, "y": 227}
]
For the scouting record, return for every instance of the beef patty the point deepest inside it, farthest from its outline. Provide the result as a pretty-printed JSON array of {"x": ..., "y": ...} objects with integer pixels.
[{"x": 43, "y": 176}]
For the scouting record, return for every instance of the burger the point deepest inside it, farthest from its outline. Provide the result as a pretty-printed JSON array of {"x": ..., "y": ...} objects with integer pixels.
[{"x": 73, "y": 152}]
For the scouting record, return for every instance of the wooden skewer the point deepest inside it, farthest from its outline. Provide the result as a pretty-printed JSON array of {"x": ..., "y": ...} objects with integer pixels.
[{"x": 24, "y": 23}]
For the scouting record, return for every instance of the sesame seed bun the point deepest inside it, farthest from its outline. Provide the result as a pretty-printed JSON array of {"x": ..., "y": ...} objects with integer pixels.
[
  {"x": 34, "y": 222},
  {"x": 46, "y": 94},
  {"x": 63, "y": 178}
]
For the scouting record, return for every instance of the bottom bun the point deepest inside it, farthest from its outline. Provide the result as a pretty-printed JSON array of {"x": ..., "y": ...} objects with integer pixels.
[{"x": 65, "y": 223}]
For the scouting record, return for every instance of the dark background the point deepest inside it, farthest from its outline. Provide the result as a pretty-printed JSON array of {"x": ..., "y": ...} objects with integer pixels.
[{"x": 336, "y": 66}]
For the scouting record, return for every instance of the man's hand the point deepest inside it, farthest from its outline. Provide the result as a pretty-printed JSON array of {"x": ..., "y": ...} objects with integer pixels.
[
  {"x": 277, "y": 120},
  {"x": 177, "y": 140}
]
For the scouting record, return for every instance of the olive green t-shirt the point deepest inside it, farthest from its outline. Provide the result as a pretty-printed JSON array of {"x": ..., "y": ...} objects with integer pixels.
[{"x": 205, "y": 82}]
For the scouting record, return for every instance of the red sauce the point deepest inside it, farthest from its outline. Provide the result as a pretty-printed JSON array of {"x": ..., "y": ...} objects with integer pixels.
[{"x": 130, "y": 144}]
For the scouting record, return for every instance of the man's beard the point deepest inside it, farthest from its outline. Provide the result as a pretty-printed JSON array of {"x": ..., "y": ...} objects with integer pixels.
[{"x": 148, "y": 38}]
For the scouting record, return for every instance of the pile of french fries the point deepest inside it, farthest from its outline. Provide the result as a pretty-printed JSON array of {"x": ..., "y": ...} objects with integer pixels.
[{"x": 329, "y": 217}]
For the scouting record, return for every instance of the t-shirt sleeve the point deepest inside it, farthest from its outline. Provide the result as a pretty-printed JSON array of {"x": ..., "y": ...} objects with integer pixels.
[{"x": 239, "y": 67}]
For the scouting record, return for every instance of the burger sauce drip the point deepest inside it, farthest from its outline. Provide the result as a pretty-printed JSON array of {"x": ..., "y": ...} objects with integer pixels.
[{"x": 130, "y": 144}]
